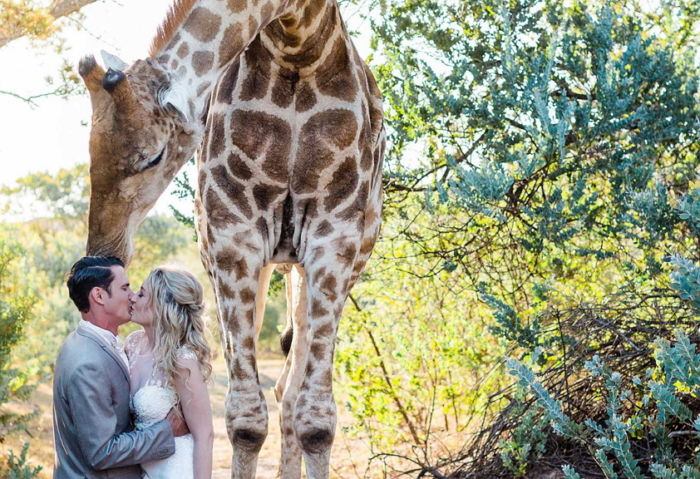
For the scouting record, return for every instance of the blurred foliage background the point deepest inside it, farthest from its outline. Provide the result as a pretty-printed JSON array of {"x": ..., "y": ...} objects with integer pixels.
[{"x": 531, "y": 308}]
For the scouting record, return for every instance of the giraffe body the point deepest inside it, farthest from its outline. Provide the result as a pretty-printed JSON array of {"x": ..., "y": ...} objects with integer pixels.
[{"x": 288, "y": 124}]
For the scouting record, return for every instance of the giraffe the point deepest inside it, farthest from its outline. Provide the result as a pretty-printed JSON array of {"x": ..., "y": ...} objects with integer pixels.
[{"x": 286, "y": 123}]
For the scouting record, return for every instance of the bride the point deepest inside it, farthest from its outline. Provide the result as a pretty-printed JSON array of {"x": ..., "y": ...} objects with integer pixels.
[{"x": 169, "y": 365}]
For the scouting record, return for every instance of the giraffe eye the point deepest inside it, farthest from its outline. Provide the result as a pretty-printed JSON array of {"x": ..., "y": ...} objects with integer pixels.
[{"x": 153, "y": 161}]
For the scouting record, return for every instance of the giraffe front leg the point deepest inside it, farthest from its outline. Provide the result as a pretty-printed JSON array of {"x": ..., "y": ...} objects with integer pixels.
[
  {"x": 236, "y": 276},
  {"x": 287, "y": 388},
  {"x": 329, "y": 271}
]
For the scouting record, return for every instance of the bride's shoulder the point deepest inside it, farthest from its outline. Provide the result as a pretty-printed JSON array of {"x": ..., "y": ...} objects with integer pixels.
[
  {"x": 186, "y": 354},
  {"x": 133, "y": 340}
]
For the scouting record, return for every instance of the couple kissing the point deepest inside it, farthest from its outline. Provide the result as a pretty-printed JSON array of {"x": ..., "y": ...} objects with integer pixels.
[{"x": 138, "y": 409}]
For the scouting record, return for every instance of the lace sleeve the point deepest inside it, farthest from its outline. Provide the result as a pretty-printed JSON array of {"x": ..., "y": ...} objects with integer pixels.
[
  {"x": 132, "y": 342},
  {"x": 184, "y": 354}
]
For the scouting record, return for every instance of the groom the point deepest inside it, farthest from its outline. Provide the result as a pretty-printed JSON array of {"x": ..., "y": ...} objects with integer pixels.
[{"x": 93, "y": 437}]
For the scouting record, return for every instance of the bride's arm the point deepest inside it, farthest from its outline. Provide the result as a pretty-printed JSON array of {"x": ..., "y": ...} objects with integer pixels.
[{"x": 196, "y": 408}]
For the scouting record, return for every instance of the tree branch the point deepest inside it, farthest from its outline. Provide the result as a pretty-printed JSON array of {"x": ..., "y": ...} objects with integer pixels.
[
  {"x": 387, "y": 380},
  {"x": 15, "y": 16}
]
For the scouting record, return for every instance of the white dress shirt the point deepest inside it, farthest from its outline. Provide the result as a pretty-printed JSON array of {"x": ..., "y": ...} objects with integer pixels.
[{"x": 109, "y": 339}]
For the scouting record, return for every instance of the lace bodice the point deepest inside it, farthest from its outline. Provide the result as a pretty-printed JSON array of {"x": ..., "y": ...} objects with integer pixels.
[
  {"x": 152, "y": 396},
  {"x": 151, "y": 400},
  {"x": 151, "y": 403}
]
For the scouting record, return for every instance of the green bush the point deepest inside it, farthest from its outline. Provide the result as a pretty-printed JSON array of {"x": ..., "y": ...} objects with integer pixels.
[
  {"x": 650, "y": 428},
  {"x": 16, "y": 305}
]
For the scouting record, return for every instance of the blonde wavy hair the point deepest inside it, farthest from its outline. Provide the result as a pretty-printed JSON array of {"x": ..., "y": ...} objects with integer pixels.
[{"x": 177, "y": 301}]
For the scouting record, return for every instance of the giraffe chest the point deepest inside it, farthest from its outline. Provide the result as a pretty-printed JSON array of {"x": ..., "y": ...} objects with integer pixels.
[
  {"x": 280, "y": 158},
  {"x": 270, "y": 126}
]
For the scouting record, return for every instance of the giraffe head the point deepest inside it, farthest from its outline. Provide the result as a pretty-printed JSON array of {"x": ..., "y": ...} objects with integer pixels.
[{"x": 140, "y": 138}]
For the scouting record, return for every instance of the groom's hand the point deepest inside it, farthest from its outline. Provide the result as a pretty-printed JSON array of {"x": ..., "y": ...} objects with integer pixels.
[{"x": 177, "y": 422}]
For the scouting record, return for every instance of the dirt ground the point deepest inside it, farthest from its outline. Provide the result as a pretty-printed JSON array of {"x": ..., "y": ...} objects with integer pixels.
[{"x": 349, "y": 456}]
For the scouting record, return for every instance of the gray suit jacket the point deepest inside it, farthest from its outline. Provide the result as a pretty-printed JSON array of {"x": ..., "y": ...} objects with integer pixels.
[{"x": 93, "y": 436}]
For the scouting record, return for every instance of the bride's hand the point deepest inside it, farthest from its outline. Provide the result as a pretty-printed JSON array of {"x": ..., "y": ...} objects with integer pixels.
[{"x": 177, "y": 422}]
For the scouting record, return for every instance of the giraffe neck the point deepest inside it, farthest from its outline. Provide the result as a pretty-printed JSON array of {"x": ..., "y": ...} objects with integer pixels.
[
  {"x": 300, "y": 22},
  {"x": 204, "y": 40},
  {"x": 302, "y": 37}
]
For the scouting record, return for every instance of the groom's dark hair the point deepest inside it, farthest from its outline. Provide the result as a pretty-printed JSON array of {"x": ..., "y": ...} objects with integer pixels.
[{"x": 87, "y": 273}]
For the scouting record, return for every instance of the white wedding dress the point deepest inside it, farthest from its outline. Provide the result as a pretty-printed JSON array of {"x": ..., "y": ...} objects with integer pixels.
[{"x": 151, "y": 400}]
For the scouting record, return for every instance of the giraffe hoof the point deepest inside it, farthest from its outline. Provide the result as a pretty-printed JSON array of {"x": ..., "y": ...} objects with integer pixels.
[
  {"x": 316, "y": 440},
  {"x": 248, "y": 439}
]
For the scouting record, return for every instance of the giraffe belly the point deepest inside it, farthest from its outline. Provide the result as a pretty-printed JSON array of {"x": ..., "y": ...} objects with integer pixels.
[{"x": 284, "y": 251}]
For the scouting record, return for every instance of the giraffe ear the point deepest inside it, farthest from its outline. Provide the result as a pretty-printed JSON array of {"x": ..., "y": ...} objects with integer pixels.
[
  {"x": 174, "y": 99},
  {"x": 113, "y": 61}
]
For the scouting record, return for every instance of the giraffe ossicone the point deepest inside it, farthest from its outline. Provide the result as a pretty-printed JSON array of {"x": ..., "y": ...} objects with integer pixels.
[{"x": 286, "y": 122}]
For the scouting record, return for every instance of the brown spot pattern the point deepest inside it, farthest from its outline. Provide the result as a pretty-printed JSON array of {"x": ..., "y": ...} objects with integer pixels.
[
  {"x": 183, "y": 50},
  {"x": 311, "y": 11},
  {"x": 309, "y": 372},
  {"x": 328, "y": 285},
  {"x": 344, "y": 182},
  {"x": 317, "y": 310},
  {"x": 258, "y": 62},
  {"x": 336, "y": 76},
  {"x": 226, "y": 291},
  {"x": 248, "y": 295},
  {"x": 280, "y": 34},
  {"x": 202, "y": 88},
  {"x": 262, "y": 228},
  {"x": 218, "y": 214},
  {"x": 305, "y": 97},
  {"x": 323, "y": 229},
  {"x": 318, "y": 350},
  {"x": 367, "y": 159},
  {"x": 317, "y": 254},
  {"x": 227, "y": 259},
  {"x": 233, "y": 189},
  {"x": 260, "y": 135},
  {"x": 283, "y": 90},
  {"x": 347, "y": 255},
  {"x": 249, "y": 343},
  {"x": 312, "y": 49},
  {"x": 265, "y": 194},
  {"x": 232, "y": 44},
  {"x": 240, "y": 268},
  {"x": 237, "y": 371},
  {"x": 357, "y": 208},
  {"x": 202, "y": 61},
  {"x": 217, "y": 137},
  {"x": 266, "y": 12},
  {"x": 238, "y": 167},
  {"x": 202, "y": 24},
  {"x": 252, "y": 26},
  {"x": 337, "y": 127},
  {"x": 317, "y": 275},
  {"x": 227, "y": 84},
  {"x": 237, "y": 5},
  {"x": 367, "y": 243},
  {"x": 324, "y": 330},
  {"x": 327, "y": 380}
]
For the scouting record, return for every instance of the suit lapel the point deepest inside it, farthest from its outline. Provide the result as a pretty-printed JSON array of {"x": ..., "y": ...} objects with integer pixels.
[{"x": 107, "y": 349}]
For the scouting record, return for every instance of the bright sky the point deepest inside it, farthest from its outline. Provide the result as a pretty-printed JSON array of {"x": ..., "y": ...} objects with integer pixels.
[{"x": 54, "y": 134}]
